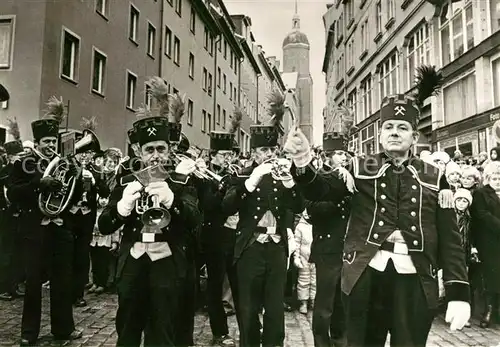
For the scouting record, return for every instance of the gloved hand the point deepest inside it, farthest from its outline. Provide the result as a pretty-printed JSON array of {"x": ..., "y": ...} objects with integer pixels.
[
  {"x": 298, "y": 262},
  {"x": 457, "y": 314},
  {"x": 131, "y": 193},
  {"x": 200, "y": 163},
  {"x": 86, "y": 174},
  {"x": 186, "y": 167},
  {"x": 49, "y": 184},
  {"x": 298, "y": 146},
  {"x": 260, "y": 171},
  {"x": 163, "y": 191}
]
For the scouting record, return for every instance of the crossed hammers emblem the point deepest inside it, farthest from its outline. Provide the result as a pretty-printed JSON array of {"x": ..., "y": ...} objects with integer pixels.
[
  {"x": 151, "y": 131},
  {"x": 400, "y": 110}
]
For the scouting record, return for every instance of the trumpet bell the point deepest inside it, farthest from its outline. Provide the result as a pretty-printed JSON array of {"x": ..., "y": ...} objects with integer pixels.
[
  {"x": 89, "y": 142},
  {"x": 156, "y": 217}
]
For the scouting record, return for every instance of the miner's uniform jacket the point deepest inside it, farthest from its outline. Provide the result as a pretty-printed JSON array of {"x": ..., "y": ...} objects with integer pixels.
[
  {"x": 269, "y": 195},
  {"x": 404, "y": 199}
]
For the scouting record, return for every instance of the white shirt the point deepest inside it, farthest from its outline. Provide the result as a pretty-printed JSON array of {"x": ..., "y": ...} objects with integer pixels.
[
  {"x": 154, "y": 250},
  {"x": 268, "y": 221},
  {"x": 402, "y": 262}
]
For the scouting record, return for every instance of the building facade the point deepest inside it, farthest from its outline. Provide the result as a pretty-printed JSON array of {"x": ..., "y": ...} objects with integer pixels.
[
  {"x": 373, "y": 48},
  {"x": 98, "y": 55}
]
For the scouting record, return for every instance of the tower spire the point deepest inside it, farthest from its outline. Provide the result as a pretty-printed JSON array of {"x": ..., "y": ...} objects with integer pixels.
[
  {"x": 296, "y": 5},
  {"x": 296, "y": 19}
]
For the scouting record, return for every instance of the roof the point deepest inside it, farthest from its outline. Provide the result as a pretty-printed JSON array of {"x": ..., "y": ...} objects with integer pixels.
[
  {"x": 290, "y": 79},
  {"x": 296, "y": 36}
]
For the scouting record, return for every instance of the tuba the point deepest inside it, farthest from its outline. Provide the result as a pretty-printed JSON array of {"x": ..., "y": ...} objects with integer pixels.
[{"x": 65, "y": 170}]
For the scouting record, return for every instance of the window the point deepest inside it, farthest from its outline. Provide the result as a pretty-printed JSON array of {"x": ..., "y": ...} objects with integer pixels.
[
  {"x": 364, "y": 35},
  {"x": 190, "y": 112},
  {"x": 205, "y": 79},
  {"x": 133, "y": 24},
  {"x": 178, "y": 7},
  {"x": 388, "y": 76},
  {"x": 191, "y": 65},
  {"x": 99, "y": 72},
  {"x": 378, "y": 16},
  {"x": 350, "y": 54},
  {"x": 131, "y": 86},
  {"x": 6, "y": 39},
  {"x": 390, "y": 9},
  {"x": 206, "y": 39},
  {"x": 220, "y": 45},
  {"x": 148, "y": 98},
  {"x": 209, "y": 122},
  {"x": 495, "y": 15},
  {"x": 455, "y": 40},
  {"x": 230, "y": 90},
  {"x": 495, "y": 67},
  {"x": 177, "y": 50},
  {"x": 225, "y": 49},
  {"x": 340, "y": 68},
  {"x": 102, "y": 7},
  {"x": 70, "y": 55},
  {"x": 340, "y": 27},
  {"x": 231, "y": 61},
  {"x": 204, "y": 121},
  {"x": 211, "y": 48},
  {"x": 366, "y": 99},
  {"x": 419, "y": 52},
  {"x": 175, "y": 91},
  {"x": 168, "y": 41},
  {"x": 460, "y": 99},
  {"x": 192, "y": 21},
  {"x": 151, "y": 39},
  {"x": 224, "y": 119},
  {"x": 368, "y": 140},
  {"x": 210, "y": 84},
  {"x": 219, "y": 77},
  {"x": 351, "y": 104},
  {"x": 349, "y": 11},
  {"x": 218, "y": 114},
  {"x": 234, "y": 94},
  {"x": 224, "y": 83}
]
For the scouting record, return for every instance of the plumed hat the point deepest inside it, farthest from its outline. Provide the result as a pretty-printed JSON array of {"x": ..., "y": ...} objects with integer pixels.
[
  {"x": 333, "y": 141},
  {"x": 49, "y": 125}
]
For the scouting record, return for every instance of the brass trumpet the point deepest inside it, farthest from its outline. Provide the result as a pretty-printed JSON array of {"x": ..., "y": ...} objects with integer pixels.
[{"x": 281, "y": 168}]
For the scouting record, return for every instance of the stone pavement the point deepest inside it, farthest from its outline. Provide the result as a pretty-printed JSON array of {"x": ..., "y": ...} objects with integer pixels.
[{"x": 97, "y": 320}]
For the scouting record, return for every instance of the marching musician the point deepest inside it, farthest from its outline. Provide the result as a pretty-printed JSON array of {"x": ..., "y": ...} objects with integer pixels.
[
  {"x": 151, "y": 265},
  {"x": 402, "y": 229},
  {"x": 218, "y": 237},
  {"x": 83, "y": 210},
  {"x": 264, "y": 205},
  {"x": 11, "y": 270},
  {"x": 329, "y": 221},
  {"x": 49, "y": 243}
]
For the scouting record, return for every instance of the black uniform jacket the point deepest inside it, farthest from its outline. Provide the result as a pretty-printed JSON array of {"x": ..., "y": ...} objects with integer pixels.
[
  {"x": 388, "y": 199},
  {"x": 270, "y": 195},
  {"x": 5, "y": 172},
  {"x": 184, "y": 213}
]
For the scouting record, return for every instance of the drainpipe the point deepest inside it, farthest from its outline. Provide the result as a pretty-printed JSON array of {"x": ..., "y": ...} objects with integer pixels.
[
  {"x": 160, "y": 62},
  {"x": 214, "y": 79}
]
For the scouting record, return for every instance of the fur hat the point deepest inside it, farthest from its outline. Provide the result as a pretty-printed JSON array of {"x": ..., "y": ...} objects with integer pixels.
[
  {"x": 469, "y": 170},
  {"x": 463, "y": 193},
  {"x": 452, "y": 167}
]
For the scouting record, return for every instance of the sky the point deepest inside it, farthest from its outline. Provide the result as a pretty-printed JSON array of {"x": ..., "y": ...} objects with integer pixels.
[{"x": 272, "y": 21}]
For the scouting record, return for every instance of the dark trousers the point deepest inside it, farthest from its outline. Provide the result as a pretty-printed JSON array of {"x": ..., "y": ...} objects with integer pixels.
[
  {"x": 147, "y": 298},
  {"x": 184, "y": 322},
  {"x": 261, "y": 278},
  {"x": 11, "y": 250},
  {"x": 101, "y": 258},
  {"x": 52, "y": 247},
  {"x": 219, "y": 263},
  {"x": 82, "y": 226},
  {"x": 387, "y": 302},
  {"x": 328, "y": 314}
]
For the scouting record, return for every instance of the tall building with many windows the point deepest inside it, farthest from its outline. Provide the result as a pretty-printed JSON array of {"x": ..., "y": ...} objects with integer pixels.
[{"x": 374, "y": 46}]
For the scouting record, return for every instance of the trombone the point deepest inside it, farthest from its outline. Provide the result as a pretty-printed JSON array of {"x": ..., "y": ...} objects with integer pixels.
[{"x": 204, "y": 173}]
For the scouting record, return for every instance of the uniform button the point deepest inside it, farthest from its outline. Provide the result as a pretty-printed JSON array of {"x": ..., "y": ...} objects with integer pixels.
[
  {"x": 275, "y": 189},
  {"x": 382, "y": 209},
  {"x": 343, "y": 209},
  {"x": 274, "y": 182},
  {"x": 258, "y": 189},
  {"x": 383, "y": 185},
  {"x": 381, "y": 223},
  {"x": 413, "y": 214},
  {"x": 338, "y": 205},
  {"x": 258, "y": 199},
  {"x": 255, "y": 217},
  {"x": 258, "y": 208},
  {"x": 328, "y": 235},
  {"x": 414, "y": 187},
  {"x": 414, "y": 228},
  {"x": 320, "y": 237},
  {"x": 415, "y": 243},
  {"x": 343, "y": 202},
  {"x": 383, "y": 175},
  {"x": 413, "y": 200},
  {"x": 275, "y": 198},
  {"x": 382, "y": 197},
  {"x": 375, "y": 236},
  {"x": 343, "y": 217},
  {"x": 349, "y": 256}
]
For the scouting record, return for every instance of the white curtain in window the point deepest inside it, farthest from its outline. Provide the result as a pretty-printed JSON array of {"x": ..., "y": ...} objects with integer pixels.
[
  {"x": 5, "y": 42},
  {"x": 460, "y": 99}
]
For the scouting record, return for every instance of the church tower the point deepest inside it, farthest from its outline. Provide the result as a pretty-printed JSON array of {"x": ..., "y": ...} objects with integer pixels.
[{"x": 296, "y": 59}]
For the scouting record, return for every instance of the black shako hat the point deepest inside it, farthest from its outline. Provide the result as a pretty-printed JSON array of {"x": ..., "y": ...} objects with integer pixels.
[
  {"x": 174, "y": 132},
  {"x": 4, "y": 94},
  {"x": 45, "y": 127},
  {"x": 399, "y": 107},
  {"x": 13, "y": 147},
  {"x": 263, "y": 136},
  {"x": 149, "y": 129},
  {"x": 221, "y": 141},
  {"x": 333, "y": 141}
]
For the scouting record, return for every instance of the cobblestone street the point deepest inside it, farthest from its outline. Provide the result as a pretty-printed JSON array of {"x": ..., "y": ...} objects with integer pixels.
[{"x": 97, "y": 320}]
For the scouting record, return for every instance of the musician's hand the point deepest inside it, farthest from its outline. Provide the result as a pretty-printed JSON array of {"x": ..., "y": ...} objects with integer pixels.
[
  {"x": 131, "y": 193},
  {"x": 86, "y": 174},
  {"x": 186, "y": 167},
  {"x": 298, "y": 261},
  {"x": 457, "y": 314},
  {"x": 114, "y": 247},
  {"x": 298, "y": 146},
  {"x": 200, "y": 163},
  {"x": 256, "y": 176},
  {"x": 49, "y": 184},
  {"x": 163, "y": 191}
]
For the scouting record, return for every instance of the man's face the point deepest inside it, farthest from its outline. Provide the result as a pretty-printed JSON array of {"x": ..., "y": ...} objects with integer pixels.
[
  {"x": 397, "y": 136},
  {"x": 47, "y": 146},
  {"x": 222, "y": 157},
  {"x": 154, "y": 152},
  {"x": 264, "y": 153},
  {"x": 338, "y": 158}
]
